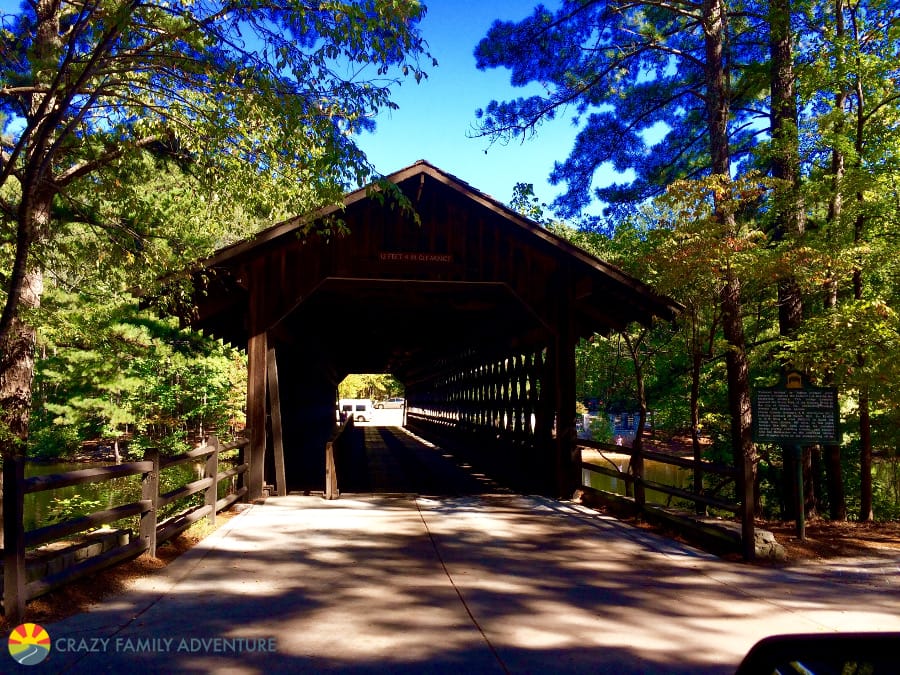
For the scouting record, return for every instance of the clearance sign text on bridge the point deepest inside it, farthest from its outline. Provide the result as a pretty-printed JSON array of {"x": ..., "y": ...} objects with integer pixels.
[{"x": 795, "y": 414}]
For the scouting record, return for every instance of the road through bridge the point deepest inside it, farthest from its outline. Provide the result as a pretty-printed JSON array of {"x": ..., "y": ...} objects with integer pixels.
[{"x": 430, "y": 569}]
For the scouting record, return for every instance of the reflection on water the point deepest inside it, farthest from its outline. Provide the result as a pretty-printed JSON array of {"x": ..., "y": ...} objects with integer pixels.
[{"x": 658, "y": 472}]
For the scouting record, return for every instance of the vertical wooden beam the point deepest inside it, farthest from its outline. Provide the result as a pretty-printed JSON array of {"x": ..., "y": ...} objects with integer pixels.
[
  {"x": 211, "y": 470},
  {"x": 331, "y": 485},
  {"x": 277, "y": 437},
  {"x": 257, "y": 348},
  {"x": 150, "y": 490},
  {"x": 543, "y": 392},
  {"x": 568, "y": 456},
  {"x": 256, "y": 413}
]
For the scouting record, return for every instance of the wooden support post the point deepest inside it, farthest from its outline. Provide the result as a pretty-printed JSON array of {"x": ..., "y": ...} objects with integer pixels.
[
  {"x": 150, "y": 490},
  {"x": 277, "y": 437},
  {"x": 331, "y": 485},
  {"x": 748, "y": 525},
  {"x": 243, "y": 458},
  {"x": 699, "y": 507},
  {"x": 256, "y": 414},
  {"x": 544, "y": 386},
  {"x": 637, "y": 470},
  {"x": 14, "y": 597},
  {"x": 568, "y": 455},
  {"x": 211, "y": 494}
]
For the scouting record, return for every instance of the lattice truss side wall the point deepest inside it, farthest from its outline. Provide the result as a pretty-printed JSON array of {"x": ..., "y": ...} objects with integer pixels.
[{"x": 496, "y": 413}]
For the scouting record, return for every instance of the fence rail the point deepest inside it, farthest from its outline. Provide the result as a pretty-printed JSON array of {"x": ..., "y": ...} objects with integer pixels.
[
  {"x": 17, "y": 590},
  {"x": 635, "y": 481}
]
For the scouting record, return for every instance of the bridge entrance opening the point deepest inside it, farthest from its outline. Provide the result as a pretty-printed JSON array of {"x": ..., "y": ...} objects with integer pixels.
[{"x": 371, "y": 398}]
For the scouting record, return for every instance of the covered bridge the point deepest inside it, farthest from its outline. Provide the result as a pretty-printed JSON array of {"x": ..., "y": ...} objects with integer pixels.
[{"x": 474, "y": 308}]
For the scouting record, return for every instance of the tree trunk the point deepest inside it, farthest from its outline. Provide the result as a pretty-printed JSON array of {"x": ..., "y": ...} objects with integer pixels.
[
  {"x": 17, "y": 336},
  {"x": 17, "y": 368},
  {"x": 25, "y": 283},
  {"x": 834, "y": 481},
  {"x": 738, "y": 372},
  {"x": 16, "y": 376},
  {"x": 810, "y": 456},
  {"x": 637, "y": 446},
  {"x": 865, "y": 429},
  {"x": 696, "y": 363},
  {"x": 866, "y": 510},
  {"x": 788, "y": 207}
]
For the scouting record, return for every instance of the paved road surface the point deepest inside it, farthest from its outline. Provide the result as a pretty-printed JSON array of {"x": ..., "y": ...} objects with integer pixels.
[{"x": 471, "y": 583}]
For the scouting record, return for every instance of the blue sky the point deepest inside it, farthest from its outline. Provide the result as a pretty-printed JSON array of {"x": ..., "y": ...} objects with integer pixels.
[{"x": 436, "y": 117}]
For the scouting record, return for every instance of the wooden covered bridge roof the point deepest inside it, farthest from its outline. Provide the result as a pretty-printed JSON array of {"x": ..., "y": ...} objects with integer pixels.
[{"x": 394, "y": 295}]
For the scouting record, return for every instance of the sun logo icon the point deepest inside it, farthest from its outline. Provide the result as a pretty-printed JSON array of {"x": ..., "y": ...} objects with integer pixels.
[{"x": 29, "y": 644}]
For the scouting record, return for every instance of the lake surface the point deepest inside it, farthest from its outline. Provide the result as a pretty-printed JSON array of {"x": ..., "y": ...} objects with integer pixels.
[{"x": 658, "y": 472}]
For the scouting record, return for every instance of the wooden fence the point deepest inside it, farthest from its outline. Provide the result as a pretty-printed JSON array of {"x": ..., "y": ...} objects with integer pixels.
[
  {"x": 17, "y": 590},
  {"x": 637, "y": 484}
]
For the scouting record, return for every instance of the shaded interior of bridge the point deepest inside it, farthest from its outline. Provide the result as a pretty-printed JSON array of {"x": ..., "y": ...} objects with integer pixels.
[{"x": 391, "y": 460}]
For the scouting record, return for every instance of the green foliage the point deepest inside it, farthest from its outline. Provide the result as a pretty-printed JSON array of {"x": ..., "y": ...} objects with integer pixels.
[
  {"x": 632, "y": 79},
  {"x": 110, "y": 371},
  {"x": 827, "y": 226},
  {"x": 67, "y": 508},
  {"x": 373, "y": 386},
  {"x": 601, "y": 430},
  {"x": 886, "y": 489},
  {"x": 265, "y": 94},
  {"x": 142, "y": 138},
  {"x": 55, "y": 441}
]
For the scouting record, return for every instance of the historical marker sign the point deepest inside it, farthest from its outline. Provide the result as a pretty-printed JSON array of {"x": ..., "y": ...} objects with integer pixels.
[{"x": 796, "y": 415}]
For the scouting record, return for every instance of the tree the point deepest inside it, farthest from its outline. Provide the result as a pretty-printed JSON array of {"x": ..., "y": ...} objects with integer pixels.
[
  {"x": 110, "y": 372},
  {"x": 373, "y": 386},
  {"x": 636, "y": 78},
  {"x": 787, "y": 205},
  {"x": 631, "y": 67},
  {"x": 851, "y": 140},
  {"x": 257, "y": 102}
]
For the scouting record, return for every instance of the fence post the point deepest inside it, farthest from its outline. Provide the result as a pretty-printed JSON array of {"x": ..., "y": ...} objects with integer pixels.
[
  {"x": 212, "y": 471},
  {"x": 637, "y": 470},
  {"x": 150, "y": 490},
  {"x": 14, "y": 598},
  {"x": 699, "y": 508},
  {"x": 242, "y": 458},
  {"x": 331, "y": 487}
]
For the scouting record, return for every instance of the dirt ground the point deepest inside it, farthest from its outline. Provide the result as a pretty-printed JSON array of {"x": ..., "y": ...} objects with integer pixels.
[
  {"x": 83, "y": 593},
  {"x": 824, "y": 540}
]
